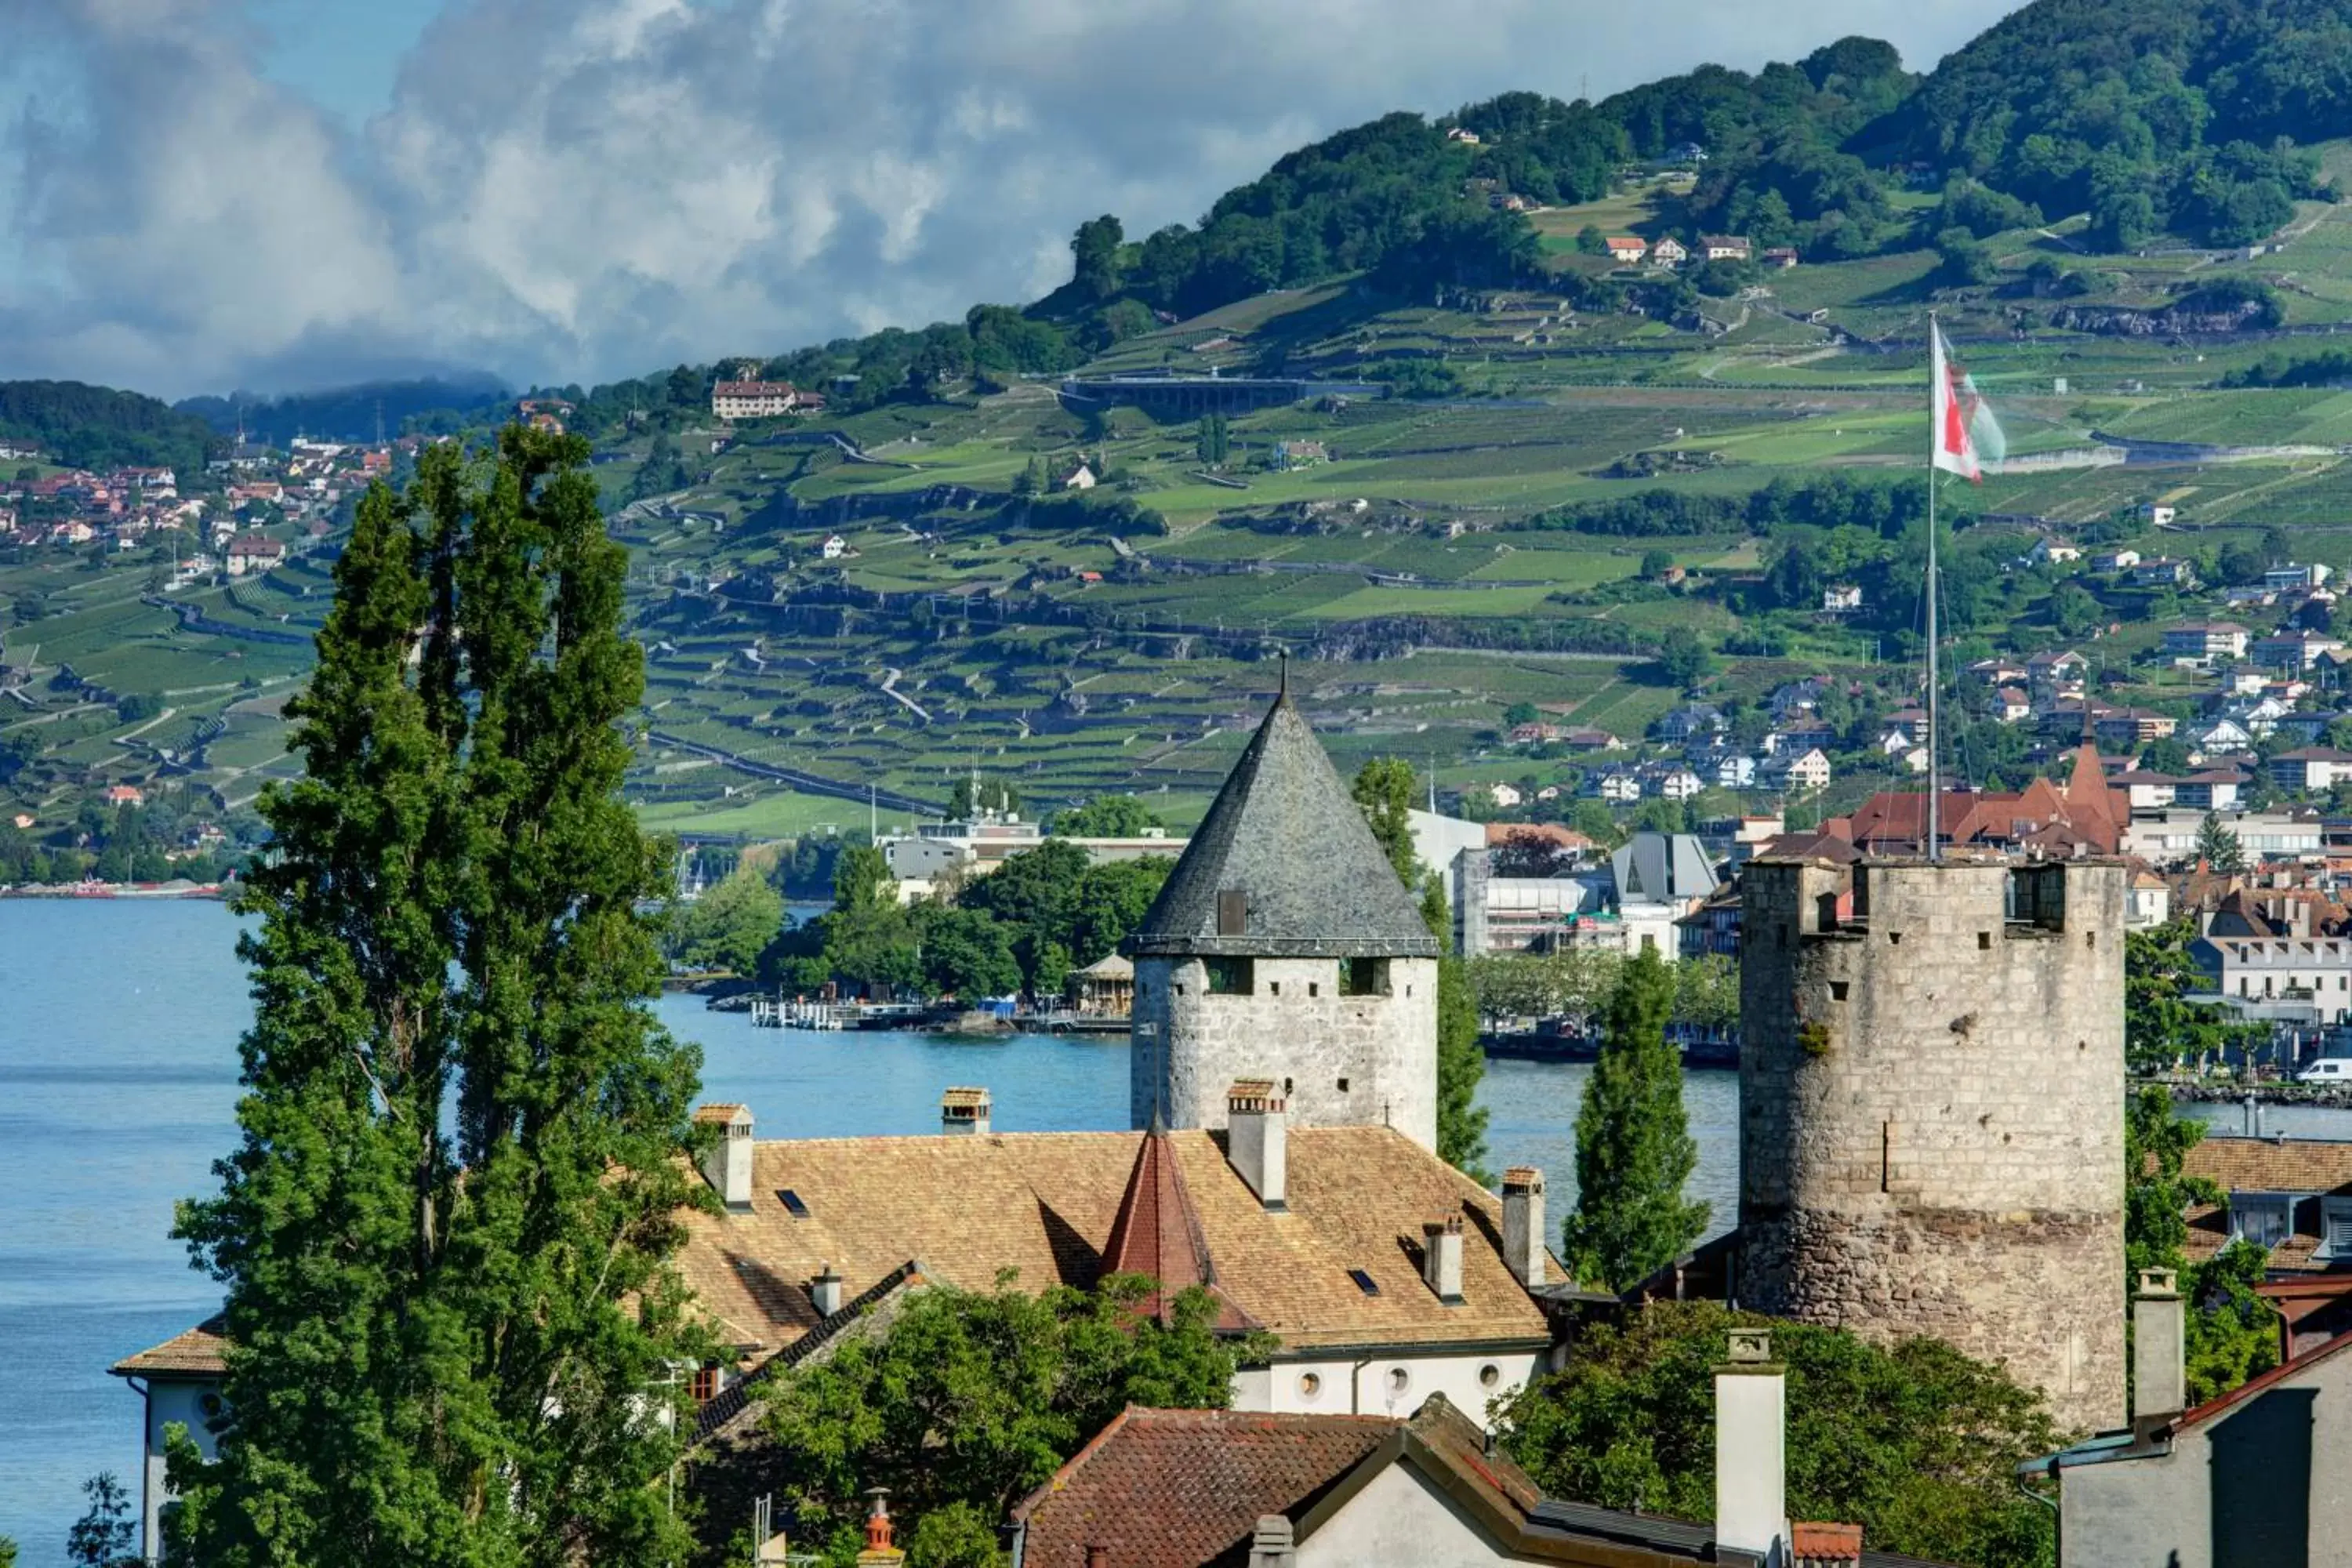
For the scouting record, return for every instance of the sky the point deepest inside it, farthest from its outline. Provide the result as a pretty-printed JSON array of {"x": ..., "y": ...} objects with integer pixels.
[{"x": 273, "y": 195}]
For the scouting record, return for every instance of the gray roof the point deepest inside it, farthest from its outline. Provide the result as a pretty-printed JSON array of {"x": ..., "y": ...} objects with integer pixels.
[
  {"x": 1287, "y": 835},
  {"x": 1662, "y": 869}
]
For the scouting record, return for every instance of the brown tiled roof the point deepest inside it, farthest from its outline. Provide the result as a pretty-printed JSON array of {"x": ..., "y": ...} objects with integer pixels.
[
  {"x": 1179, "y": 1489},
  {"x": 2271, "y": 1165},
  {"x": 1157, "y": 1234},
  {"x": 721, "y": 1112},
  {"x": 1825, "y": 1545},
  {"x": 1043, "y": 1204},
  {"x": 195, "y": 1353}
]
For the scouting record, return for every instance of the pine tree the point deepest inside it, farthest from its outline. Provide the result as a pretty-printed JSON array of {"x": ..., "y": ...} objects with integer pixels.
[
  {"x": 2218, "y": 847},
  {"x": 455, "y": 1348},
  {"x": 105, "y": 1537},
  {"x": 1633, "y": 1148}
]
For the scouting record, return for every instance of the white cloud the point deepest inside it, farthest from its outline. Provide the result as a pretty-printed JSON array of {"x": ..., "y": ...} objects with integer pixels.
[{"x": 582, "y": 189}]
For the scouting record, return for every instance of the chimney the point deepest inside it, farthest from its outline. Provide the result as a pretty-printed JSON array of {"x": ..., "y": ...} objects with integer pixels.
[
  {"x": 1257, "y": 1140},
  {"x": 1523, "y": 1224},
  {"x": 2160, "y": 1381},
  {"x": 1272, "y": 1543},
  {"x": 879, "y": 1553},
  {"x": 1751, "y": 1506},
  {"x": 727, "y": 1164},
  {"x": 1441, "y": 1259},
  {"x": 825, "y": 1291},
  {"x": 1097, "y": 1557},
  {"x": 964, "y": 1110}
]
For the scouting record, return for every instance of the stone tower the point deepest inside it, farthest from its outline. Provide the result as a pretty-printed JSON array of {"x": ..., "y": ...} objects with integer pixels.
[
  {"x": 1284, "y": 946},
  {"x": 1931, "y": 1111}
]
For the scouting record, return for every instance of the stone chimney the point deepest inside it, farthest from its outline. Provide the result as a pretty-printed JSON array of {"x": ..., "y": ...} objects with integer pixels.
[
  {"x": 2159, "y": 1376},
  {"x": 727, "y": 1163},
  {"x": 1441, "y": 1259},
  {"x": 825, "y": 1291},
  {"x": 1752, "y": 1506},
  {"x": 1257, "y": 1140},
  {"x": 1272, "y": 1544},
  {"x": 1523, "y": 1226},
  {"x": 964, "y": 1110}
]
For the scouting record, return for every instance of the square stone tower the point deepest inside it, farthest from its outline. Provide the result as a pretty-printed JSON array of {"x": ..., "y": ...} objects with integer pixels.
[
  {"x": 1932, "y": 1110},
  {"x": 1285, "y": 947}
]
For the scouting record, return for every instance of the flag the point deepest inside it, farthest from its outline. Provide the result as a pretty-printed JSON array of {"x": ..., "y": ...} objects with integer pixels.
[{"x": 1964, "y": 430}]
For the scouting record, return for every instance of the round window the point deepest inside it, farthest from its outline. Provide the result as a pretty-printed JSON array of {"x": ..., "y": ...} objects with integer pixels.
[
  {"x": 211, "y": 1404},
  {"x": 1489, "y": 1375},
  {"x": 1309, "y": 1385},
  {"x": 1398, "y": 1379}
]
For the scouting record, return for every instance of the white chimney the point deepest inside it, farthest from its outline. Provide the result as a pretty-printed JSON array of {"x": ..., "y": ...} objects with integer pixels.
[
  {"x": 727, "y": 1163},
  {"x": 1523, "y": 1224},
  {"x": 1274, "y": 1543},
  {"x": 1257, "y": 1140},
  {"x": 2159, "y": 1378},
  {"x": 825, "y": 1291},
  {"x": 964, "y": 1110},
  {"x": 1441, "y": 1259},
  {"x": 1751, "y": 1504}
]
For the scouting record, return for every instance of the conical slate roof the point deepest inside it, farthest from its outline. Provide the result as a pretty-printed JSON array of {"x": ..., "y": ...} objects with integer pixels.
[
  {"x": 1286, "y": 836},
  {"x": 1157, "y": 1233}
]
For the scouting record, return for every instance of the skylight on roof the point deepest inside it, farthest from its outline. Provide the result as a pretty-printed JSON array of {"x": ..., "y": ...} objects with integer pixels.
[
  {"x": 792, "y": 1202},
  {"x": 1364, "y": 1282}
]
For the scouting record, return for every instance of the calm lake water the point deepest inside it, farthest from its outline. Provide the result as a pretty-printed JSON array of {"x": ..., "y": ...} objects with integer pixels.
[{"x": 118, "y": 1031}]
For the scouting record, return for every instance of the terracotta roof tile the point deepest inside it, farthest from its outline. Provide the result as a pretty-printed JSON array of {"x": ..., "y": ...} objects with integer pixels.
[
  {"x": 195, "y": 1353},
  {"x": 1045, "y": 1204},
  {"x": 1178, "y": 1489},
  {"x": 2271, "y": 1165}
]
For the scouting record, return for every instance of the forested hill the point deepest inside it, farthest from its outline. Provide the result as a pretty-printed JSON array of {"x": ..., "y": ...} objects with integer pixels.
[
  {"x": 96, "y": 426},
  {"x": 350, "y": 412},
  {"x": 2152, "y": 115}
]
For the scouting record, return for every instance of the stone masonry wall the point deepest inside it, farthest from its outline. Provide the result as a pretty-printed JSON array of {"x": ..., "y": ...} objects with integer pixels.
[
  {"x": 1931, "y": 1115},
  {"x": 1297, "y": 1030}
]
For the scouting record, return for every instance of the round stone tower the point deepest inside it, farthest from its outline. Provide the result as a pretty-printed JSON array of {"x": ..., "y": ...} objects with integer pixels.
[
  {"x": 1932, "y": 1107},
  {"x": 1285, "y": 947}
]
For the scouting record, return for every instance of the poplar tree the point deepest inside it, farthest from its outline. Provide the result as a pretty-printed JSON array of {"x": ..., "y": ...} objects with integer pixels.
[
  {"x": 1634, "y": 1147},
  {"x": 445, "y": 1233}
]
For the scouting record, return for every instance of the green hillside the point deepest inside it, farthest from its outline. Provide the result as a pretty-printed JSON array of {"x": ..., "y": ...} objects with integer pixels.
[{"x": 1571, "y": 487}]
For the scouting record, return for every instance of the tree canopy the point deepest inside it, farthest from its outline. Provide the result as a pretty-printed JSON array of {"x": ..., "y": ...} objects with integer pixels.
[
  {"x": 968, "y": 1400},
  {"x": 1913, "y": 1441},
  {"x": 445, "y": 1229},
  {"x": 1633, "y": 1149}
]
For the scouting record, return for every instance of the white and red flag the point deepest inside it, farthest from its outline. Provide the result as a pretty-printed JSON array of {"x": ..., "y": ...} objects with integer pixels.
[{"x": 1966, "y": 434}]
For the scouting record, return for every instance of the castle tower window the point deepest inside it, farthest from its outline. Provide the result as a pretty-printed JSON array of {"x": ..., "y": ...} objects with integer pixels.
[
  {"x": 1363, "y": 977},
  {"x": 1232, "y": 912},
  {"x": 1230, "y": 977}
]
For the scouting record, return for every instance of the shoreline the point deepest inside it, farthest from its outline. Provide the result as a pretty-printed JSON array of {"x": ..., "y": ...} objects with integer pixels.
[{"x": 217, "y": 892}]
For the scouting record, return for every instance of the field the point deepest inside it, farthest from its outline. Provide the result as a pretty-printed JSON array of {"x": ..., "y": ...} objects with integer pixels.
[{"x": 1398, "y": 570}]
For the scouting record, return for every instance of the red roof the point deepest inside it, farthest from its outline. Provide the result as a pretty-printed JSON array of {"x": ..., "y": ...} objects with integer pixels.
[
  {"x": 1178, "y": 1489},
  {"x": 1157, "y": 1233},
  {"x": 2252, "y": 1387}
]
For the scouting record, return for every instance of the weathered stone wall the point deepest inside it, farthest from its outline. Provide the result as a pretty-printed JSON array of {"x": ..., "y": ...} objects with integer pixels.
[
  {"x": 1931, "y": 1113},
  {"x": 1297, "y": 1030}
]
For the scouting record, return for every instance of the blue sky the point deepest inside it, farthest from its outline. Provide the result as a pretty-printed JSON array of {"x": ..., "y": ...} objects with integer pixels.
[{"x": 207, "y": 194}]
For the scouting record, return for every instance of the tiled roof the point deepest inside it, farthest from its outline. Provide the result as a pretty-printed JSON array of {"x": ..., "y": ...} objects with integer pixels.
[
  {"x": 1179, "y": 1489},
  {"x": 195, "y": 1353},
  {"x": 2271, "y": 1165},
  {"x": 1157, "y": 1234},
  {"x": 1045, "y": 1204},
  {"x": 1286, "y": 835}
]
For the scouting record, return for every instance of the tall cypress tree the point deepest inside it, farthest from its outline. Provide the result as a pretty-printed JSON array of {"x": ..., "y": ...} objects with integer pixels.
[
  {"x": 1633, "y": 1148},
  {"x": 445, "y": 1233}
]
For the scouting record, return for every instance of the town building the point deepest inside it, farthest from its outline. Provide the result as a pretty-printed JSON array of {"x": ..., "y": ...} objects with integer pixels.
[
  {"x": 250, "y": 552},
  {"x": 1669, "y": 252},
  {"x": 1724, "y": 246},
  {"x": 1625, "y": 249},
  {"x": 753, "y": 399},
  {"x": 1931, "y": 1123},
  {"x": 1284, "y": 946},
  {"x": 2205, "y": 640}
]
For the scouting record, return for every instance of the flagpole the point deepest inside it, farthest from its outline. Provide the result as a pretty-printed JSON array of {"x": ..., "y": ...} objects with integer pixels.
[{"x": 1934, "y": 729}]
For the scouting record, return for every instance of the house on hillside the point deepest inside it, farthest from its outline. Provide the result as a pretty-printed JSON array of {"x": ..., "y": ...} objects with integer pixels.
[
  {"x": 2202, "y": 641},
  {"x": 1782, "y": 257},
  {"x": 1626, "y": 250},
  {"x": 1669, "y": 252},
  {"x": 1080, "y": 477},
  {"x": 254, "y": 552},
  {"x": 1724, "y": 246}
]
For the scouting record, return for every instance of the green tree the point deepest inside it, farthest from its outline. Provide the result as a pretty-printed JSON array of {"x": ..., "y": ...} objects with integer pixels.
[
  {"x": 965, "y": 954},
  {"x": 969, "y": 1400},
  {"x": 1655, "y": 562},
  {"x": 1112, "y": 900},
  {"x": 1519, "y": 713},
  {"x": 1682, "y": 658},
  {"x": 106, "y": 1536},
  {"x": 1107, "y": 816},
  {"x": 729, "y": 926},
  {"x": 2233, "y": 1334},
  {"x": 2218, "y": 847},
  {"x": 1591, "y": 241},
  {"x": 971, "y": 796},
  {"x": 1633, "y": 1148},
  {"x": 1383, "y": 789},
  {"x": 1093, "y": 251},
  {"x": 2162, "y": 1028},
  {"x": 7, "y": 1552},
  {"x": 1913, "y": 1441},
  {"x": 1213, "y": 443},
  {"x": 867, "y": 940},
  {"x": 444, "y": 1235}
]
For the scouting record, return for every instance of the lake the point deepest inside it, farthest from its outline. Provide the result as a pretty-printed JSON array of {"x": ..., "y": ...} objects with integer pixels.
[{"x": 119, "y": 1023}]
